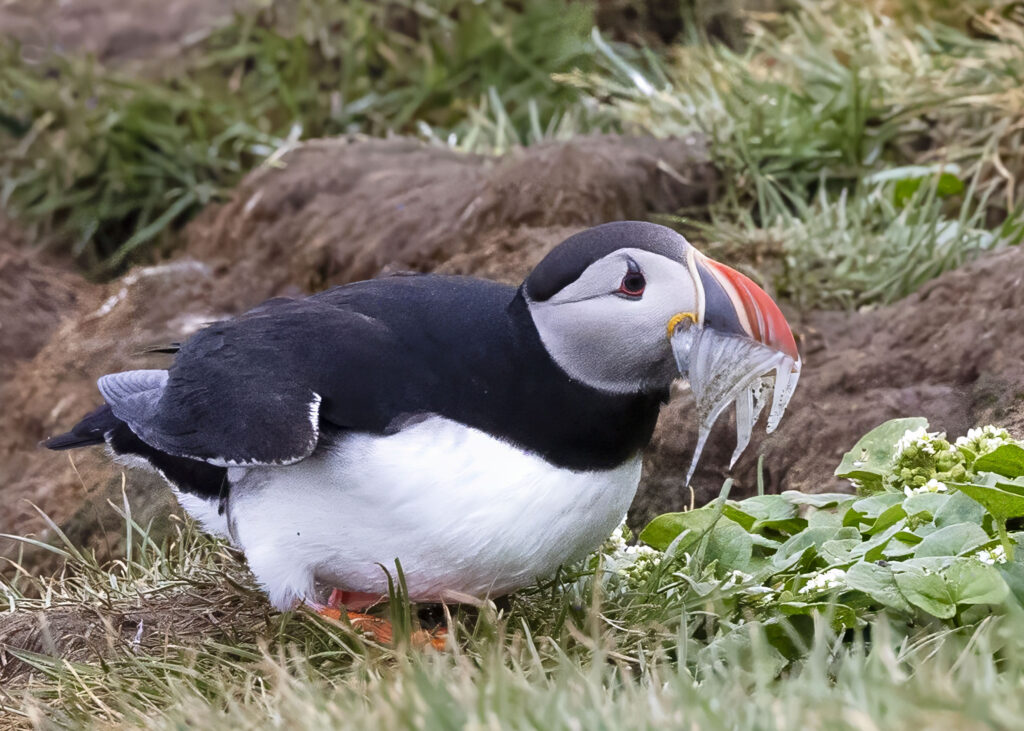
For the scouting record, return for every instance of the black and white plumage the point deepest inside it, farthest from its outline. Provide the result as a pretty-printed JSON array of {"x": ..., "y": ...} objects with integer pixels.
[{"x": 483, "y": 434}]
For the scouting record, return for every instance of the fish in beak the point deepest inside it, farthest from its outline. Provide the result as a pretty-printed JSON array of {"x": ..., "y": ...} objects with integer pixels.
[{"x": 737, "y": 348}]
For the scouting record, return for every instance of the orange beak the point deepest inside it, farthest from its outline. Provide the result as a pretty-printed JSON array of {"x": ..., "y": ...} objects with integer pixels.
[{"x": 733, "y": 303}]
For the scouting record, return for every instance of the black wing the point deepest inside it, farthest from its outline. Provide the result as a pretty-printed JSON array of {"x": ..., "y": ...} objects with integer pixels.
[
  {"x": 249, "y": 390},
  {"x": 256, "y": 389}
]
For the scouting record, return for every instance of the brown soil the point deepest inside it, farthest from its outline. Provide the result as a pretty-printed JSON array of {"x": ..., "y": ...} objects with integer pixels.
[
  {"x": 34, "y": 297},
  {"x": 344, "y": 209},
  {"x": 114, "y": 31}
]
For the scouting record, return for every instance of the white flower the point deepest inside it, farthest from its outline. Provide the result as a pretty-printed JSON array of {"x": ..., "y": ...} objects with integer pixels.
[
  {"x": 983, "y": 440},
  {"x": 736, "y": 577},
  {"x": 919, "y": 437},
  {"x": 830, "y": 579},
  {"x": 615, "y": 545},
  {"x": 633, "y": 562},
  {"x": 991, "y": 555},
  {"x": 932, "y": 485}
]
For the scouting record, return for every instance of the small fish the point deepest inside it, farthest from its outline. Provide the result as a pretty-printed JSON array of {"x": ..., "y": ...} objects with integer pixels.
[{"x": 723, "y": 369}]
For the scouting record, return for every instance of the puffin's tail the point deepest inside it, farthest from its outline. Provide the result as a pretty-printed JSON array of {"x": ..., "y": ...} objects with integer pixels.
[
  {"x": 101, "y": 426},
  {"x": 92, "y": 429}
]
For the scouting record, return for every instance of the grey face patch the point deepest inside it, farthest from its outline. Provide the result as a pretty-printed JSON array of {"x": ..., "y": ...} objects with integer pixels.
[
  {"x": 567, "y": 261},
  {"x": 613, "y": 342}
]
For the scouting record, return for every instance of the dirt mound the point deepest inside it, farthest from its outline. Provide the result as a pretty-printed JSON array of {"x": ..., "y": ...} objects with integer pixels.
[
  {"x": 34, "y": 297},
  {"x": 334, "y": 211},
  {"x": 112, "y": 30},
  {"x": 345, "y": 209}
]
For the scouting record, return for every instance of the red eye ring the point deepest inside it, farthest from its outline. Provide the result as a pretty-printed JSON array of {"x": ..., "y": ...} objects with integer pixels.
[{"x": 634, "y": 283}]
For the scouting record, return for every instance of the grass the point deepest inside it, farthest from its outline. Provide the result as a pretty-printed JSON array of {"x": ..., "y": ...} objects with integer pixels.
[
  {"x": 176, "y": 635},
  {"x": 561, "y": 656},
  {"x": 104, "y": 165},
  {"x": 863, "y": 149},
  {"x": 826, "y": 120}
]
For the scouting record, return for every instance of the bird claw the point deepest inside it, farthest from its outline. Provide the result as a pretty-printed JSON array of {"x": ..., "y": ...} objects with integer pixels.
[{"x": 380, "y": 629}]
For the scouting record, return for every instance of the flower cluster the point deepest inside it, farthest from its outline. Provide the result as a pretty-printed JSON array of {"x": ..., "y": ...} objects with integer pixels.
[
  {"x": 926, "y": 458},
  {"x": 634, "y": 563},
  {"x": 983, "y": 440},
  {"x": 991, "y": 556},
  {"x": 932, "y": 485},
  {"x": 824, "y": 580},
  {"x": 641, "y": 563}
]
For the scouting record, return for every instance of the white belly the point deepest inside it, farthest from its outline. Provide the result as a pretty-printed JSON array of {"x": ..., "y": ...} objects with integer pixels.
[{"x": 463, "y": 512}]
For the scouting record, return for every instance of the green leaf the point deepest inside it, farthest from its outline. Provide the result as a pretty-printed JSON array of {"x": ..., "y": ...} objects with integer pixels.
[
  {"x": 664, "y": 529},
  {"x": 953, "y": 540},
  {"x": 810, "y": 538},
  {"x": 972, "y": 582},
  {"x": 744, "y": 651},
  {"x": 841, "y": 615},
  {"x": 770, "y": 511},
  {"x": 890, "y": 516},
  {"x": 815, "y": 500},
  {"x": 734, "y": 512},
  {"x": 925, "y": 589},
  {"x": 896, "y": 549},
  {"x": 1003, "y": 501},
  {"x": 1013, "y": 574},
  {"x": 925, "y": 502},
  {"x": 958, "y": 509},
  {"x": 873, "y": 547},
  {"x": 871, "y": 457},
  {"x": 1006, "y": 460},
  {"x": 868, "y": 510},
  {"x": 879, "y": 583},
  {"x": 826, "y": 519},
  {"x": 948, "y": 184},
  {"x": 729, "y": 544},
  {"x": 839, "y": 551},
  {"x": 937, "y": 585}
]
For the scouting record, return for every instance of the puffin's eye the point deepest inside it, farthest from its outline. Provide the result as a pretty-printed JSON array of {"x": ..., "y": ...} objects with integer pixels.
[{"x": 633, "y": 283}]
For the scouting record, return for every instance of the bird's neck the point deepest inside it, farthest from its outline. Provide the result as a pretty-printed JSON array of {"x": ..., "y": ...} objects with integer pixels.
[{"x": 568, "y": 422}]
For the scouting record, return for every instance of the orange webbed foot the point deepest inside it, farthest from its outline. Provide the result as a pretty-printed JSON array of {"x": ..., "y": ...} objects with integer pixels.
[{"x": 378, "y": 628}]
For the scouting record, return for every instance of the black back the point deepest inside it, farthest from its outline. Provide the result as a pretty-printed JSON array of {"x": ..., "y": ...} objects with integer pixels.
[{"x": 378, "y": 353}]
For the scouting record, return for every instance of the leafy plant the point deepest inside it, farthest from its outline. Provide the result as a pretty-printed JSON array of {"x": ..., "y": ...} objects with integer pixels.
[{"x": 931, "y": 537}]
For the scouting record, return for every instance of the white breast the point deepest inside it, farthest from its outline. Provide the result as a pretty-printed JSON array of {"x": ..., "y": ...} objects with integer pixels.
[{"x": 463, "y": 512}]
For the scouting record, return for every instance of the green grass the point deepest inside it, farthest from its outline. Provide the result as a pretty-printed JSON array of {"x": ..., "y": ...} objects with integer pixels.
[
  {"x": 104, "y": 165},
  {"x": 562, "y": 656},
  {"x": 719, "y": 626},
  {"x": 823, "y": 124},
  {"x": 863, "y": 149}
]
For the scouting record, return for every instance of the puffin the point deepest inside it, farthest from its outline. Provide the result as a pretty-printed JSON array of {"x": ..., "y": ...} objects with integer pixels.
[{"x": 479, "y": 433}]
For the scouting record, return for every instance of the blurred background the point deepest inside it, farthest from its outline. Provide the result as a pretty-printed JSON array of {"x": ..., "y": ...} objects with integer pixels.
[{"x": 165, "y": 163}]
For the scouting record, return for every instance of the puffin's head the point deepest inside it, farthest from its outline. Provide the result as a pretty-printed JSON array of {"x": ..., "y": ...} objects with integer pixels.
[{"x": 608, "y": 301}]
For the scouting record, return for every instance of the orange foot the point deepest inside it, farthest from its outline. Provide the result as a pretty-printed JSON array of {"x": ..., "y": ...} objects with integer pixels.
[{"x": 380, "y": 629}]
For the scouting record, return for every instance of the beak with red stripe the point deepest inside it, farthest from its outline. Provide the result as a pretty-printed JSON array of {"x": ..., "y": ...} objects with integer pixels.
[{"x": 731, "y": 303}]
